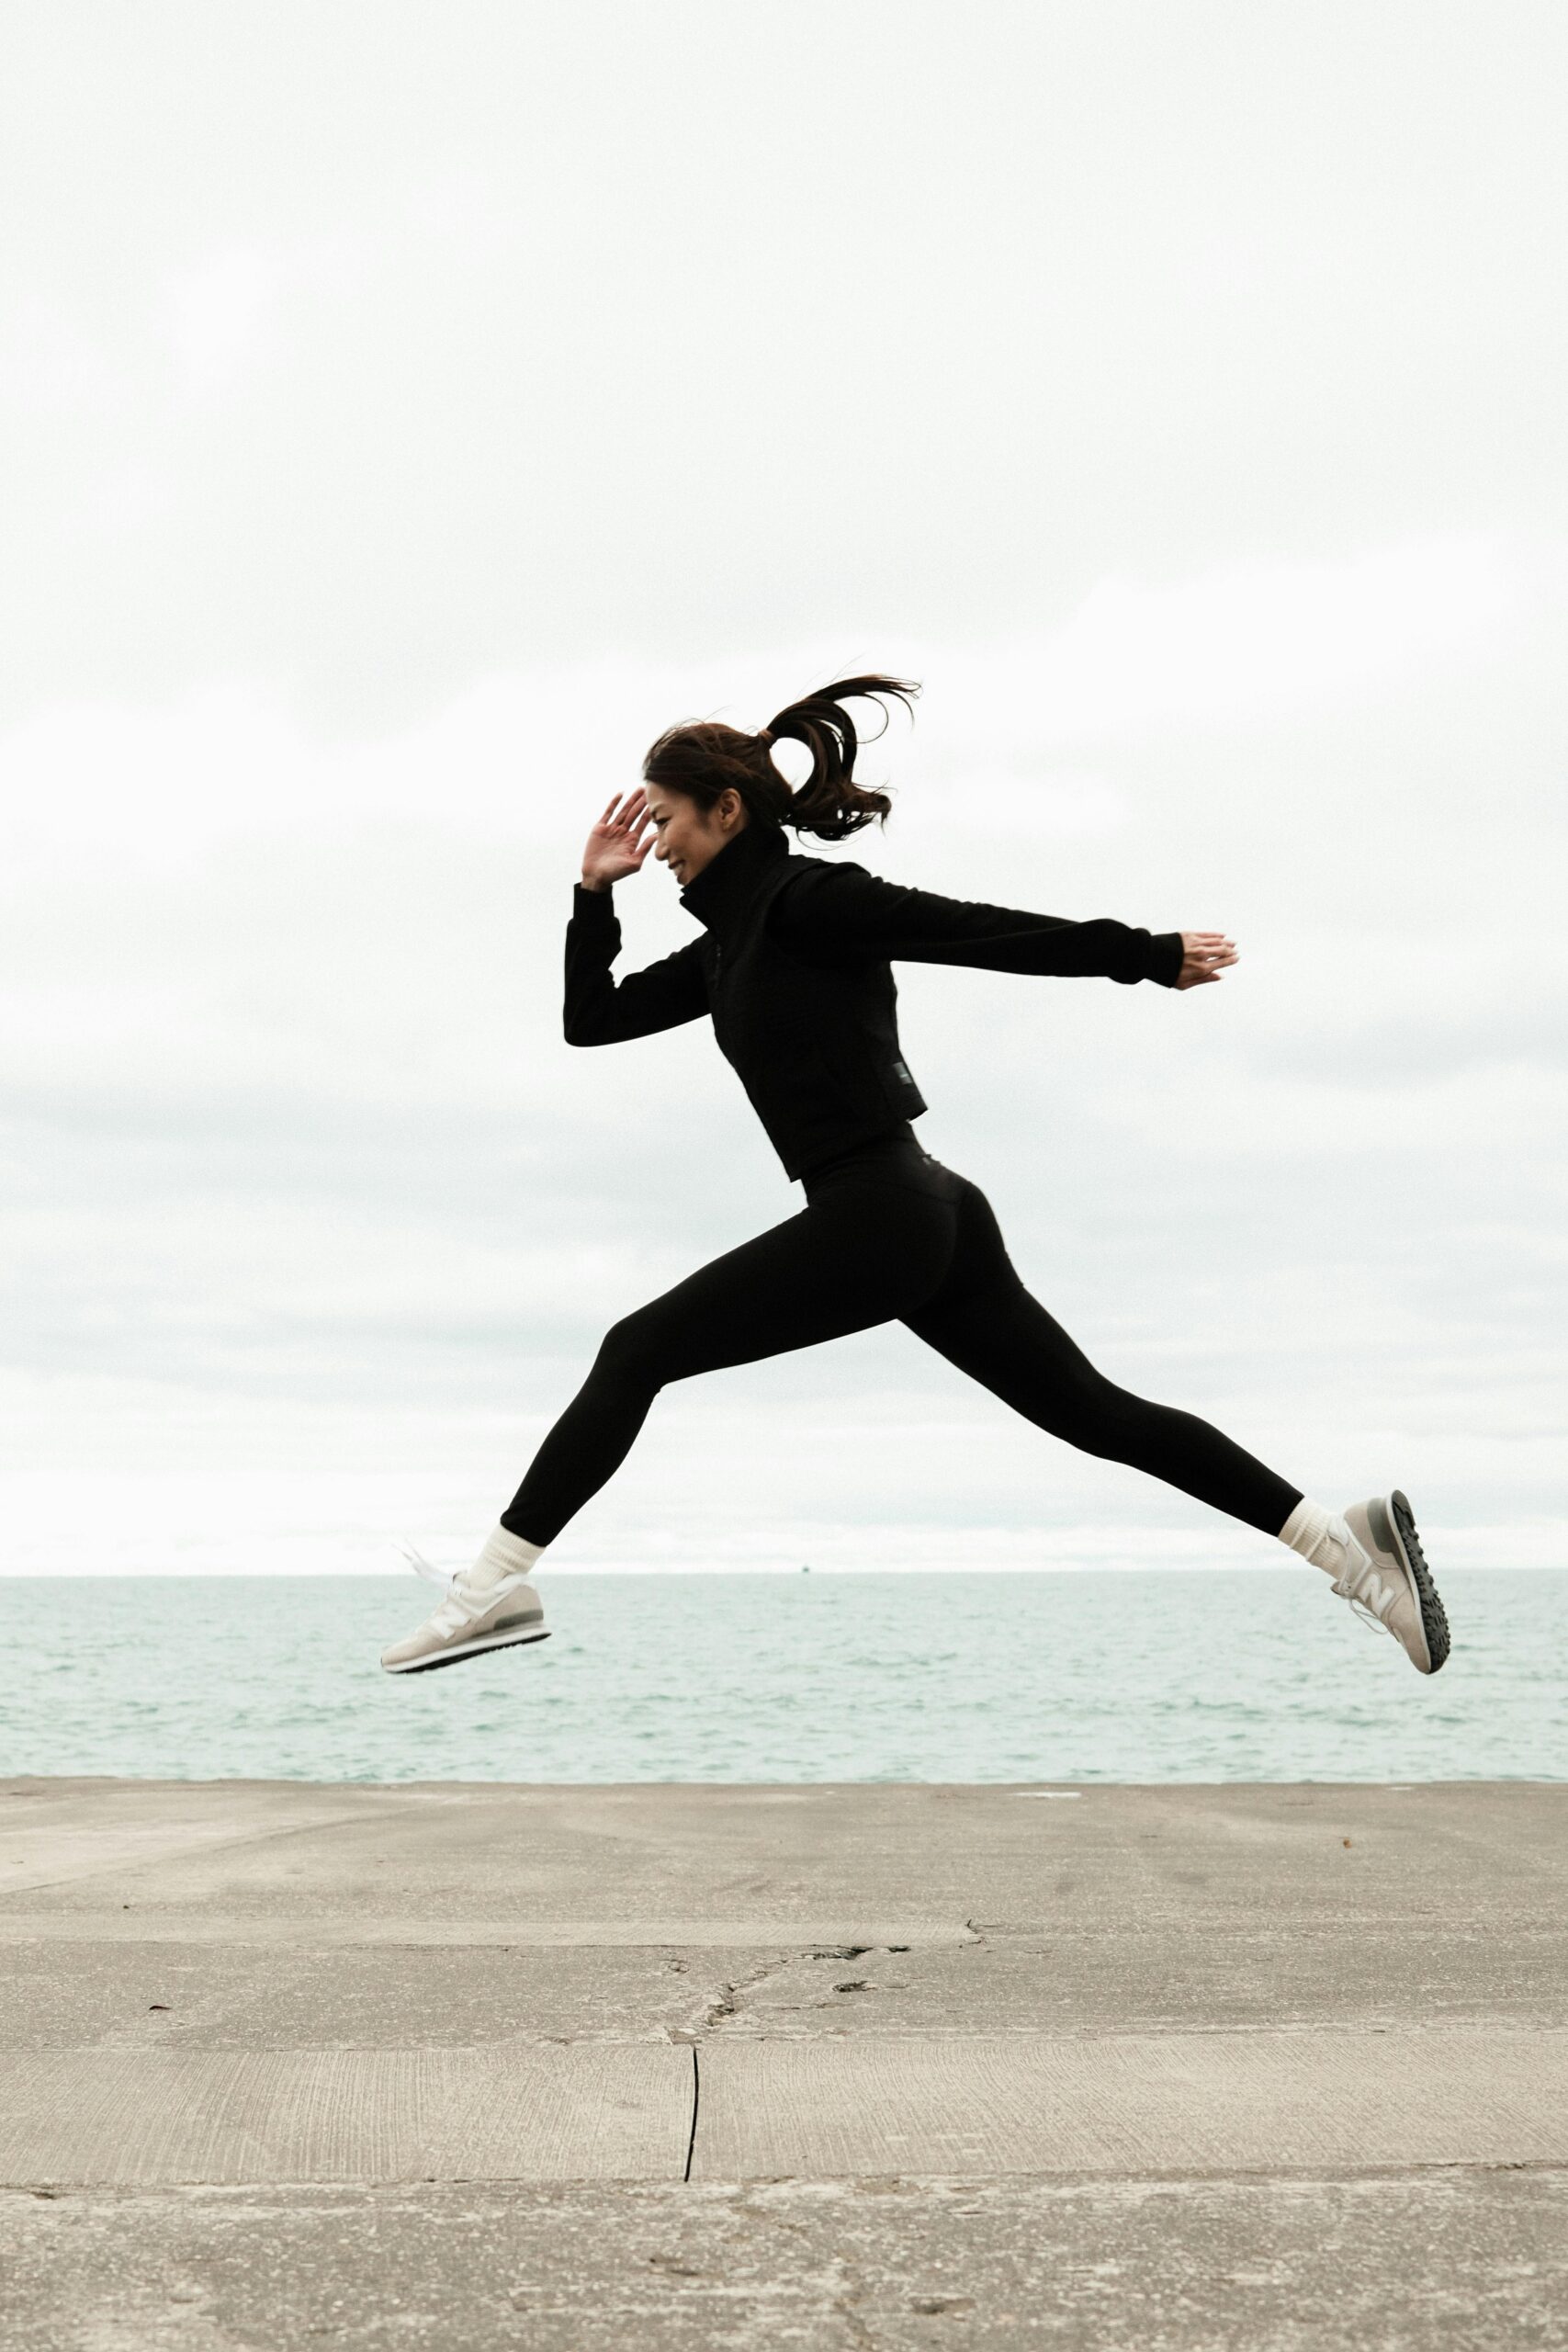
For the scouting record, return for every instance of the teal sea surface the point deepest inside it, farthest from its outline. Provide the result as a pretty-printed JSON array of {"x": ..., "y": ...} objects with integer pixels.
[{"x": 1141, "y": 1676}]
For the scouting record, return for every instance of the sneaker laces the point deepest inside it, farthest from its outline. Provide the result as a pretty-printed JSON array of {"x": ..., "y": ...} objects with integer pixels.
[
  {"x": 457, "y": 1610},
  {"x": 420, "y": 1564},
  {"x": 1360, "y": 1611},
  {"x": 1369, "y": 1594}
]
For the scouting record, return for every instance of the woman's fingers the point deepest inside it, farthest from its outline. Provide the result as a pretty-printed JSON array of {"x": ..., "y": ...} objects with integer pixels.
[
  {"x": 634, "y": 808},
  {"x": 1204, "y": 956}
]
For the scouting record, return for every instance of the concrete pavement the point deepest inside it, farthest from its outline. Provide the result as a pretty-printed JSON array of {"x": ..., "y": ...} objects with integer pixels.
[{"x": 867, "y": 2067}]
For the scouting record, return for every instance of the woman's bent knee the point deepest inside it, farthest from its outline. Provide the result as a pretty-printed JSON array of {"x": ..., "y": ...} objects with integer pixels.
[
  {"x": 630, "y": 1351},
  {"x": 1104, "y": 1421}
]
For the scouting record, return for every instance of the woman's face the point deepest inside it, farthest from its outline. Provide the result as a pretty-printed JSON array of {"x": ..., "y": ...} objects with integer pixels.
[{"x": 687, "y": 836}]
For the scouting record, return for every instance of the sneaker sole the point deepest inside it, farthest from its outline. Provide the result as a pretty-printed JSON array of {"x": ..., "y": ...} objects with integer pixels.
[
  {"x": 1407, "y": 1550},
  {"x": 467, "y": 1649}
]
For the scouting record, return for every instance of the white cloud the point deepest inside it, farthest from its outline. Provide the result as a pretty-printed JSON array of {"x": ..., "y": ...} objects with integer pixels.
[
  {"x": 1267, "y": 638},
  {"x": 217, "y": 313}
]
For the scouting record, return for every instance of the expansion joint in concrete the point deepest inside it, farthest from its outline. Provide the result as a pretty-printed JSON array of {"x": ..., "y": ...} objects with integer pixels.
[{"x": 696, "y": 2104}]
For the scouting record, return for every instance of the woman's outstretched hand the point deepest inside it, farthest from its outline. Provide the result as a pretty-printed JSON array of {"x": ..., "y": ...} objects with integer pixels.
[
  {"x": 1204, "y": 955},
  {"x": 614, "y": 849}
]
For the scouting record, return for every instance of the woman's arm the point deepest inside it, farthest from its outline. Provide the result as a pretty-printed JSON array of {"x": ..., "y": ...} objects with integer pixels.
[
  {"x": 600, "y": 1012},
  {"x": 845, "y": 909}
]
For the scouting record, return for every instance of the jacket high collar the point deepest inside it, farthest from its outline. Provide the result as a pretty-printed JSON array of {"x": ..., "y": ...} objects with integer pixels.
[{"x": 720, "y": 894}]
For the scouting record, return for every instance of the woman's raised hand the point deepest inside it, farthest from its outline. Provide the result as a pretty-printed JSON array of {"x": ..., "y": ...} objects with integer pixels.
[
  {"x": 1204, "y": 955},
  {"x": 615, "y": 847}
]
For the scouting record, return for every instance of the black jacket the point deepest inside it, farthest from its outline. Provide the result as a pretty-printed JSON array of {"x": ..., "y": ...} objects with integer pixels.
[{"x": 794, "y": 966}]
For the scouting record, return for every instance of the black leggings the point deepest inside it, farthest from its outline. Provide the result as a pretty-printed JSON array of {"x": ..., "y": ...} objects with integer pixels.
[{"x": 888, "y": 1234}]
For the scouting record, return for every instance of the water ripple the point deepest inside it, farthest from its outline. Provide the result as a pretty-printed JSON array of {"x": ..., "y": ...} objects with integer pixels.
[{"x": 1231, "y": 1675}]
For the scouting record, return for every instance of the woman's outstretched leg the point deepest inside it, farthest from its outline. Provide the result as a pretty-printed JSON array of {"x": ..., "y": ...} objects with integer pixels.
[
  {"x": 983, "y": 1320},
  {"x": 861, "y": 1254}
]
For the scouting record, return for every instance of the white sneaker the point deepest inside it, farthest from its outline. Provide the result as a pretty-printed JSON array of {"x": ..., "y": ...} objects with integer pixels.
[
  {"x": 470, "y": 1619},
  {"x": 1386, "y": 1579}
]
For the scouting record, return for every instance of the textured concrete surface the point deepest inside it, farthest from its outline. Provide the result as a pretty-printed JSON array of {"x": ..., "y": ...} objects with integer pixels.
[
  {"x": 867, "y": 2067},
  {"x": 137, "y": 2118},
  {"x": 1407, "y": 2262},
  {"x": 1192, "y": 2102}
]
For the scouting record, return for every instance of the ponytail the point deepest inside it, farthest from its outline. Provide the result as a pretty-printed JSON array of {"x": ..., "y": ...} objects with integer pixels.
[
  {"x": 701, "y": 757},
  {"x": 829, "y": 803}
]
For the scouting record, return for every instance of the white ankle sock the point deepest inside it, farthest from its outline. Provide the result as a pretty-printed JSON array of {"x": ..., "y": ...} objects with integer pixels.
[
  {"x": 504, "y": 1554},
  {"x": 1306, "y": 1532}
]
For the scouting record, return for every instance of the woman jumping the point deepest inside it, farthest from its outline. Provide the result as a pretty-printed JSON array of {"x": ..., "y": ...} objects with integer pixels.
[{"x": 793, "y": 966}]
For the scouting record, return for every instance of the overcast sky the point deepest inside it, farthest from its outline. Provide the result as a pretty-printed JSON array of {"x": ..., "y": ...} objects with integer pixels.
[{"x": 408, "y": 410}]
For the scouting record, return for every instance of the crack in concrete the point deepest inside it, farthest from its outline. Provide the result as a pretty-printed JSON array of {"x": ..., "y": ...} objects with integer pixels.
[
  {"x": 728, "y": 2005},
  {"x": 730, "y": 2001}
]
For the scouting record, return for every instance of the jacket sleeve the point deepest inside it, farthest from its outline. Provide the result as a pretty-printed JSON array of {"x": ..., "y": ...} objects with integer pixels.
[
  {"x": 598, "y": 1011},
  {"x": 845, "y": 909}
]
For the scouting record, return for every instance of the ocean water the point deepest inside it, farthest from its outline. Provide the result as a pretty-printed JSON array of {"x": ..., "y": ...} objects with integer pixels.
[{"x": 1191, "y": 1674}]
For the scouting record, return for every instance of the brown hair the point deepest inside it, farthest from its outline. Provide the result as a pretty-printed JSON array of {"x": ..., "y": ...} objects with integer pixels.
[{"x": 699, "y": 757}]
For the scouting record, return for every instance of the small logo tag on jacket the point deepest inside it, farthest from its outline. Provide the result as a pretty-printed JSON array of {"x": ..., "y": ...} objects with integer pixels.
[{"x": 901, "y": 1069}]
